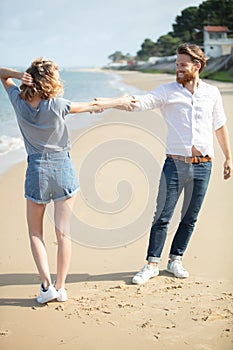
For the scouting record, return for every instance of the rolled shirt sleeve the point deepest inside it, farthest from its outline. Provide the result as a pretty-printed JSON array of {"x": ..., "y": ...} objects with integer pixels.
[
  {"x": 151, "y": 100},
  {"x": 219, "y": 117}
]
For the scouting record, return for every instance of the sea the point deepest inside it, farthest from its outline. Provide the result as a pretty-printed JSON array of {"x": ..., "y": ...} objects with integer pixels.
[{"x": 79, "y": 85}]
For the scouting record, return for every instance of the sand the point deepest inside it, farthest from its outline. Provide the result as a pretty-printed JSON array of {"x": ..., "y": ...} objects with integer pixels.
[{"x": 118, "y": 161}]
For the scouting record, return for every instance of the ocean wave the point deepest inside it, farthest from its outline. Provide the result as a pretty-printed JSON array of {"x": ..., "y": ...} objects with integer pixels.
[
  {"x": 118, "y": 84},
  {"x": 8, "y": 144}
]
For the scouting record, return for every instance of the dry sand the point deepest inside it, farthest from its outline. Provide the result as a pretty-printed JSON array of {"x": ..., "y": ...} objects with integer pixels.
[{"x": 119, "y": 161}]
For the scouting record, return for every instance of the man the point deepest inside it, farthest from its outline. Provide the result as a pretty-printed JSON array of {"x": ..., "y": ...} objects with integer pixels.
[{"x": 191, "y": 109}]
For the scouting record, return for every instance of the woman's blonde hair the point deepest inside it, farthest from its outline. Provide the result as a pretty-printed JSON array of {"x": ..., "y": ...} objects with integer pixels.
[
  {"x": 195, "y": 53},
  {"x": 46, "y": 83}
]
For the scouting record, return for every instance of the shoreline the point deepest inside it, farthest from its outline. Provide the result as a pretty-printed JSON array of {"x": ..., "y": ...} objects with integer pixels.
[{"x": 113, "y": 160}]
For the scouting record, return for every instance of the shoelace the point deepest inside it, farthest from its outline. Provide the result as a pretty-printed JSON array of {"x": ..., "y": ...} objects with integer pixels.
[
  {"x": 145, "y": 269},
  {"x": 180, "y": 266}
]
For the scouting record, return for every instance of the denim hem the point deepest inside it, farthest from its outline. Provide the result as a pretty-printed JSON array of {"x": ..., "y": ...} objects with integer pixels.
[
  {"x": 70, "y": 195},
  {"x": 175, "y": 257},
  {"x": 153, "y": 259},
  {"x": 37, "y": 201}
]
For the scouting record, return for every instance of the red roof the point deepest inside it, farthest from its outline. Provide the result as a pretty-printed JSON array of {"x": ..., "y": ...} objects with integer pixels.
[{"x": 216, "y": 29}]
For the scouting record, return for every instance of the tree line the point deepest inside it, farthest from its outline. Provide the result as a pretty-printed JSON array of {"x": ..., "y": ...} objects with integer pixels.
[{"x": 188, "y": 27}]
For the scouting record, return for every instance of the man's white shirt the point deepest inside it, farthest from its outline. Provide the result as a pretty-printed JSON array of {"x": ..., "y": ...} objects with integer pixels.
[{"x": 191, "y": 118}]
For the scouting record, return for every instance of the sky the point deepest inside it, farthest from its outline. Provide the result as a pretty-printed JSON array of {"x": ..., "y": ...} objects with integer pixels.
[{"x": 81, "y": 33}]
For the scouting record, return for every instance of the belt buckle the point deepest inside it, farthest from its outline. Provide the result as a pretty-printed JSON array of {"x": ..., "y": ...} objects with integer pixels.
[{"x": 196, "y": 160}]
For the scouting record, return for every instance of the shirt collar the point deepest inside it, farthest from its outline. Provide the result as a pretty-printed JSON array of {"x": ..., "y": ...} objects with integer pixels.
[{"x": 182, "y": 87}]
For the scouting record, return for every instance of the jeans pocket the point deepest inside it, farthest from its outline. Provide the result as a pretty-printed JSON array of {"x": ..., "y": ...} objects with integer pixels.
[{"x": 206, "y": 165}]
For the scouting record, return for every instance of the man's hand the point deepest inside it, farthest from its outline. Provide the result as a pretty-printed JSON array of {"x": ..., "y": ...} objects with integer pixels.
[
  {"x": 224, "y": 142},
  {"x": 127, "y": 103},
  {"x": 227, "y": 172}
]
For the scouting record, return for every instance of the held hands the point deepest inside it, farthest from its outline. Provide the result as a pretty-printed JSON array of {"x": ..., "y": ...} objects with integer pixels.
[
  {"x": 126, "y": 103},
  {"x": 95, "y": 108}
]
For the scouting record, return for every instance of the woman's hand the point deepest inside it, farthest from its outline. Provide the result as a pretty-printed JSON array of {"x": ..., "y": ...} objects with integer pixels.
[
  {"x": 27, "y": 79},
  {"x": 96, "y": 109}
]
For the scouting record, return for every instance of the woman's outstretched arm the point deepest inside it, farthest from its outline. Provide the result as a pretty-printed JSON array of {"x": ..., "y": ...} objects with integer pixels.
[{"x": 100, "y": 104}]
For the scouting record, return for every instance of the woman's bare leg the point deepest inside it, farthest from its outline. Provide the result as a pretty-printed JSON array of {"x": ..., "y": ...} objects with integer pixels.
[
  {"x": 62, "y": 217},
  {"x": 35, "y": 215}
]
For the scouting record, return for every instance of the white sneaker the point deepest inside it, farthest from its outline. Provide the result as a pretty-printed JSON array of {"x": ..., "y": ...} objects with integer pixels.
[
  {"x": 176, "y": 268},
  {"x": 148, "y": 271},
  {"x": 62, "y": 295},
  {"x": 49, "y": 295}
]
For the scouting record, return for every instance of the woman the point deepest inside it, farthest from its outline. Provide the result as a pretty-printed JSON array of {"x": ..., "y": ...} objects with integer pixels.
[{"x": 50, "y": 173}]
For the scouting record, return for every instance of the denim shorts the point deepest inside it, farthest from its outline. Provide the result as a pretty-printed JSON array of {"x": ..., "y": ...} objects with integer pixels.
[{"x": 50, "y": 176}]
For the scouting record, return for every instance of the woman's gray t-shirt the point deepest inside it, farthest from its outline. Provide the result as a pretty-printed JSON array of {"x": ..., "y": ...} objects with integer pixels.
[{"x": 43, "y": 128}]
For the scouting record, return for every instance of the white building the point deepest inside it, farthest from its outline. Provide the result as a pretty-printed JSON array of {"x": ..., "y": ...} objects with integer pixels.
[{"x": 216, "y": 43}]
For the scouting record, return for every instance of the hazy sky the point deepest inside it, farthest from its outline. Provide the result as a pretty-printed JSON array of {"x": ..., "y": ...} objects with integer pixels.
[{"x": 81, "y": 32}]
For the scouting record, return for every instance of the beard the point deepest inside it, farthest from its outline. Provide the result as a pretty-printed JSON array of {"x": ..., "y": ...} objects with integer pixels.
[{"x": 185, "y": 78}]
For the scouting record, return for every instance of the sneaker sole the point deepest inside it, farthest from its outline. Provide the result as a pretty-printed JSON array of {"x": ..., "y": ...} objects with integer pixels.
[
  {"x": 175, "y": 275},
  {"x": 46, "y": 300},
  {"x": 135, "y": 282},
  {"x": 61, "y": 299}
]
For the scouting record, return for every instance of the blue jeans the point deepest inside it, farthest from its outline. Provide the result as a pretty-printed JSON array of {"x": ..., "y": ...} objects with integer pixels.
[{"x": 176, "y": 177}]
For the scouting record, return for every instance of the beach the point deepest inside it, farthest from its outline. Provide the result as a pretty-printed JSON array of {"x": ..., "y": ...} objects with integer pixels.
[{"x": 118, "y": 161}]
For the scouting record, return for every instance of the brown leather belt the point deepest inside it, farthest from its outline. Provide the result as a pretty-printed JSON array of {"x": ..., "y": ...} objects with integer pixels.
[{"x": 193, "y": 160}]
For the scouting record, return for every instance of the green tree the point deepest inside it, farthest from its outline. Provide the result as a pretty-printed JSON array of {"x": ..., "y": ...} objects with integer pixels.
[
  {"x": 167, "y": 45},
  {"x": 186, "y": 25},
  {"x": 116, "y": 56},
  {"x": 148, "y": 49},
  {"x": 216, "y": 12}
]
